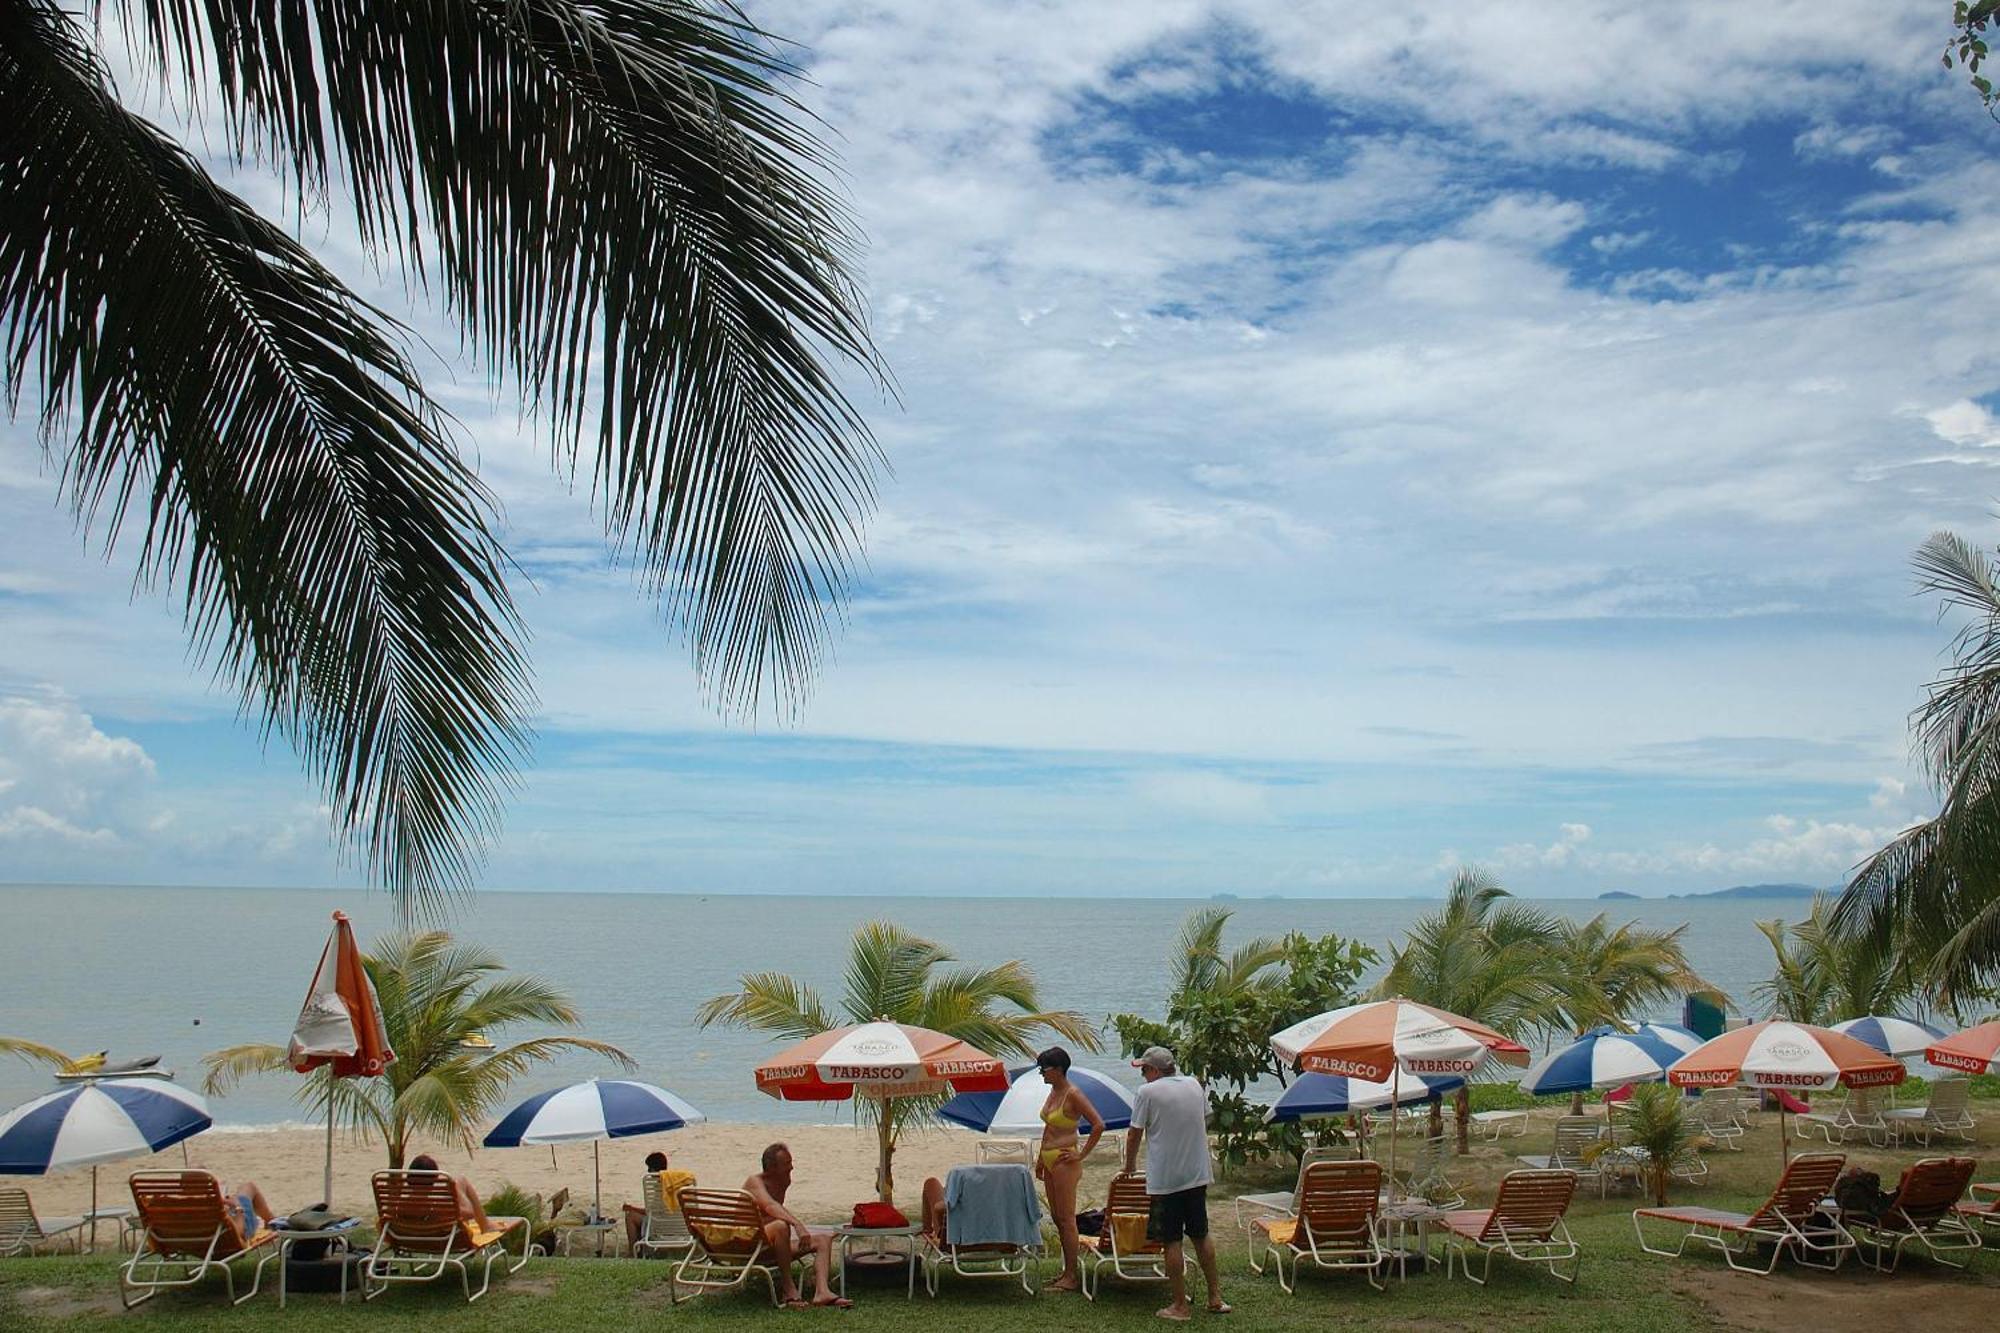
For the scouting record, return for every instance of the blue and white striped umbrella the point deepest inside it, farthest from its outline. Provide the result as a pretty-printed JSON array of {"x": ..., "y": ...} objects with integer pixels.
[
  {"x": 1019, "y": 1109},
  {"x": 612, "y": 1108},
  {"x": 1892, "y": 1035},
  {"x": 1604, "y": 1057},
  {"x": 1336, "y": 1094},
  {"x": 96, "y": 1122}
]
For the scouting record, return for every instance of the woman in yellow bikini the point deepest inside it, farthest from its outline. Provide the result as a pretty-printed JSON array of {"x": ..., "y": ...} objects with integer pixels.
[{"x": 1059, "y": 1164}]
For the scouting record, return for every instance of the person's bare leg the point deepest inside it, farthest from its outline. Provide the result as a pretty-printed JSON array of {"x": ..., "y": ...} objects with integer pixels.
[
  {"x": 1176, "y": 1266},
  {"x": 1059, "y": 1183},
  {"x": 1204, "y": 1250},
  {"x": 778, "y": 1236},
  {"x": 822, "y": 1248},
  {"x": 469, "y": 1205},
  {"x": 248, "y": 1189}
]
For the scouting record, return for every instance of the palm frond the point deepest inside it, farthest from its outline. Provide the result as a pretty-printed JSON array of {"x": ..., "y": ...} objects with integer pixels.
[
  {"x": 292, "y": 483},
  {"x": 34, "y": 1052},
  {"x": 223, "y": 1070},
  {"x": 770, "y": 1002}
]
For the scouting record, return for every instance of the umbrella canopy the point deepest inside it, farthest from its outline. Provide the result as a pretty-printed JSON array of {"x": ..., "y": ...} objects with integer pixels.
[
  {"x": 340, "y": 1022},
  {"x": 879, "y": 1059},
  {"x": 597, "y": 1109},
  {"x": 1332, "y": 1094},
  {"x": 1890, "y": 1034},
  {"x": 1790, "y": 1056},
  {"x": 98, "y": 1122},
  {"x": 1372, "y": 1041},
  {"x": 1604, "y": 1057},
  {"x": 1973, "y": 1051},
  {"x": 1019, "y": 1109}
]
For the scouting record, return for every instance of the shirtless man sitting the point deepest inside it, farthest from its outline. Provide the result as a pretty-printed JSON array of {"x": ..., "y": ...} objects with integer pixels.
[{"x": 786, "y": 1235}]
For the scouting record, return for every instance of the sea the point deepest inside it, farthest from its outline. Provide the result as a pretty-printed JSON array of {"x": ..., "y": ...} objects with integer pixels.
[{"x": 178, "y": 972}]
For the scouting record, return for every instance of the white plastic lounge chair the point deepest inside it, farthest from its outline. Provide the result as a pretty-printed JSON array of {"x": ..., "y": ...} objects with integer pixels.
[
  {"x": 1715, "y": 1114},
  {"x": 419, "y": 1236},
  {"x": 1575, "y": 1150},
  {"x": 1525, "y": 1223},
  {"x": 1122, "y": 1245},
  {"x": 1860, "y": 1114},
  {"x": 1019, "y": 1152},
  {"x": 22, "y": 1232},
  {"x": 1427, "y": 1179},
  {"x": 188, "y": 1234},
  {"x": 666, "y": 1228},
  {"x": 1984, "y": 1208},
  {"x": 729, "y": 1249},
  {"x": 992, "y": 1259},
  {"x": 1925, "y": 1212},
  {"x": 1334, "y": 1225},
  {"x": 1948, "y": 1110},
  {"x": 1790, "y": 1220},
  {"x": 1491, "y": 1125}
]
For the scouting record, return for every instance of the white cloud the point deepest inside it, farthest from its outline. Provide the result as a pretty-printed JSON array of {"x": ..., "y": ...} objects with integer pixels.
[{"x": 61, "y": 779}]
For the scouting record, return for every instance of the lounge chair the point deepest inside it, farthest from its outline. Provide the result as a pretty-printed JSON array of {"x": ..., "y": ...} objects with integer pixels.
[
  {"x": 1948, "y": 1110},
  {"x": 1427, "y": 1179},
  {"x": 1252, "y": 1210},
  {"x": 419, "y": 1236},
  {"x": 1789, "y": 1220},
  {"x": 22, "y": 1232},
  {"x": 1575, "y": 1150},
  {"x": 188, "y": 1232},
  {"x": 1525, "y": 1223},
  {"x": 1122, "y": 1245},
  {"x": 1334, "y": 1225},
  {"x": 666, "y": 1227},
  {"x": 1020, "y": 1152},
  {"x": 1925, "y": 1212},
  {"x": 1987, "y": 1213},
  {"x": 1716, "y": 1115},
  {"x": 727, "y": 1229},
  {"x": 1860, "y": 1113},
  {"x": 1491, "y": 1125},
  {"x": 986, "y": 1259}
]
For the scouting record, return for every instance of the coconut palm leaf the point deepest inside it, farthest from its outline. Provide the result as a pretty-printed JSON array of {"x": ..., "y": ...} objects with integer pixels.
[
  {"x": 35, "y": 1052},
  {"x": 770, "y": 1002}
]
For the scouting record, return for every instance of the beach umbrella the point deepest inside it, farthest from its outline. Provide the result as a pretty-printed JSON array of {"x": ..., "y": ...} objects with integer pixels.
[
  {"x": 1787, "y": 1057},
  {"x": 339, "y": 1026},
  {"x": 85, "y": 1124},
  {"x": 1334, "y": 1094},
  {"x": 1973, "y": 1051},
  {"x": 1018, "y": 1110},
  {"x": 1604, "y": 1057},
  {"x": 598, "y": 1109},
  {"x": 1890, "y": 1034},
  {"x": 880, "y": 1060}
]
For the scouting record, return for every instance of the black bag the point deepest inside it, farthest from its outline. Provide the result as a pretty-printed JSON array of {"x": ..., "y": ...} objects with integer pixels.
[
  {"x": 1859, "y": 1193},
  {"x": 1090, "y": 1223}
]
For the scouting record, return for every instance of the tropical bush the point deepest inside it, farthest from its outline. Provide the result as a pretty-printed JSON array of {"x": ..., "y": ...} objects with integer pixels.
[
  {"x": 442, "y": 1003},
  {"x": 1826, "y": 975},
  {"x": 1656, "y": 1123}
]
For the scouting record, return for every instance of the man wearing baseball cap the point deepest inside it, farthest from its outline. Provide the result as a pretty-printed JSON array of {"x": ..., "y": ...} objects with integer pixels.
[{"x": 1170, "y": 1116}]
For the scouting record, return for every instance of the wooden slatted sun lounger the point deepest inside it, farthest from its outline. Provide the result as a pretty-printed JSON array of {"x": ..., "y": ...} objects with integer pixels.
[
  {"x": 1925, "y": 1212},
  {"x": 1524, "y": 1223},
  {"x": 1122, "y": 1245},
  {"x": 22, "y": 1232},
  {"x": 188, "y": 1233},
  {"x": 1334, "y": 1225},
  {"x": 1790, "y": 1219},
  {"x": 420, "y": 1236},
  {"x": 729, "y": 1247}
]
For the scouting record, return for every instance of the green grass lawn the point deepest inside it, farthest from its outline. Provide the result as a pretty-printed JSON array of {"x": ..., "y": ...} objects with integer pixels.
[{"x": 1621, "y": 1287}]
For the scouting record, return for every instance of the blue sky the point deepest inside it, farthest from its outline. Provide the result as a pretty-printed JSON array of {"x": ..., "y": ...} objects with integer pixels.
[{"x": 1336, "y": 442}]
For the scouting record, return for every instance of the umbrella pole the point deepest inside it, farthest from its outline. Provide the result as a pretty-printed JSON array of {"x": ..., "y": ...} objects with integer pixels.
[
  {"x": 93, "y": 1208},
  {"x": 1395, "y": 1124},
  {"x": 326, "y": 1180},
  {"x": 596, "y": 1184}
]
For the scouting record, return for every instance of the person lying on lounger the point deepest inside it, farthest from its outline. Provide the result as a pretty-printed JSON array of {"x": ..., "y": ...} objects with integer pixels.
[
  {"x": 786, "y": 1235},
  {"x": 469, "y": 1207},
  {"x": 248, "y": 1209}
]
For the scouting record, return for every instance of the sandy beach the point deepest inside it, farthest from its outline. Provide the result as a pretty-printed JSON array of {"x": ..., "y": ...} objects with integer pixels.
[{"x": 836, "y": 1165}]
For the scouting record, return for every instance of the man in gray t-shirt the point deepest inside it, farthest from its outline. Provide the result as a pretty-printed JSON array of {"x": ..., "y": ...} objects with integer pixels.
[{"x": 1170, "y": 1116}]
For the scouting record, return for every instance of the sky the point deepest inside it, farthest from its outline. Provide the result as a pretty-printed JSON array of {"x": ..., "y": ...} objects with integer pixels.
[{"x": 1333, "y": 443}]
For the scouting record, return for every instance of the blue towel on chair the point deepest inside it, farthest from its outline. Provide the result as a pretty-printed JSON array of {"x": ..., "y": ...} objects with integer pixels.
[{"x": 992, "y": 1205}]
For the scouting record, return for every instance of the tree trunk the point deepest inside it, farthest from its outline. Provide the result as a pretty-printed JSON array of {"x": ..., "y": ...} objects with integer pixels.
[
  {"x": 1576, "y": 1102},
  {"x": 1461, "y": 1104},
  {"x": 1660, "y": 1176},
  {"x": 1437, "y": 1118},
  {"x": 885, "y": 1139}
]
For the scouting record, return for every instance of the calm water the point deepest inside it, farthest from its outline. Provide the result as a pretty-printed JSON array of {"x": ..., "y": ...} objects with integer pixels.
[{"x": 184, "y": 971}]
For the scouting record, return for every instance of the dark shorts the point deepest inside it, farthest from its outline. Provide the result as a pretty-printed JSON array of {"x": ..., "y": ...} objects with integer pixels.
[{"x": 1182, "y": 1213}]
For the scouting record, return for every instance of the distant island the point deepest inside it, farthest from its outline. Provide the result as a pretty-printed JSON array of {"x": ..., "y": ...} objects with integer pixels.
[
  {"x": 1739, "y": 891},
  {"x": 1618, "y": 895}
]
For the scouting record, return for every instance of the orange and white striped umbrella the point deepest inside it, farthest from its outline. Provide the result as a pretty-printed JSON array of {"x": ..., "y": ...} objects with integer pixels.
[
  {"x": 879, "y": 1059},
  {"x": 1791, "y": 1056},
  {"x": 1372, "y": 1041},
  {"x": 1973, "y": 1051}
]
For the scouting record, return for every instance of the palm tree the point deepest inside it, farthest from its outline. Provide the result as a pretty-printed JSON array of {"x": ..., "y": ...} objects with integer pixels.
[
  {"x": 1484, "y": 956},
  {"x": 895, "y": 975},
  {"x": 1825, "y": 975},
  {"x": 1614, "y": 975},
  {"x": 1657, "y": 1123},
  {"x": 626, "y": 215},
  {"x": 438, "y": 996}
]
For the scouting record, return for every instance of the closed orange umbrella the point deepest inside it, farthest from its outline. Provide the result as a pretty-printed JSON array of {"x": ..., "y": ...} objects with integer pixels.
[{"x": 340, "y": 1025}]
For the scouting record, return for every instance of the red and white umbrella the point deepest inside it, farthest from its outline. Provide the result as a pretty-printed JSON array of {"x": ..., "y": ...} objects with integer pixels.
[
  {"x": 1786, "y": 1057},
  {"x": 340, "y": 1025},
  {"x": 1375, "y": 1041},
  {"x": 1973, "y": 1051},
  {"x": 879, "y": 1059}
]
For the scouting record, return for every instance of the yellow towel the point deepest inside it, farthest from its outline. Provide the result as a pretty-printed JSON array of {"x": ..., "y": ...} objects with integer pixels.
[
  {"x": 1130, "y": 1229},
  {"x": 720, "y": 1239},
  {"x": 1282, "y": 1231},
  {"x": 672, "y": 1182}
]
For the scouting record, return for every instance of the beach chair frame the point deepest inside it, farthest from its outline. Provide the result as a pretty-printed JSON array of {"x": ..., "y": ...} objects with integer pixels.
[
  {"x": 1717, "y": 1116},
  {"x": 1492, "y": 1126},
  {"x": 1333, "y": 1227},
  {"x": 666, "y": 1228},
  {"x": 1575, "y": 1150},
  {"x": 1005, "y": 1152},
  {"x": 1947, "y": 1110},
  {"x": 1780, "y": 1221},
  {"x": 1127, "y": 1197},
  {"x": 996, "y": 1259},
  {"x": 1282, "y": 1203},
  {"x": 420, "y": 1237},
  {"x": 22, "y": 1231},
  {"x": 187, "y": 1234},
  {"x": 1926, "y": 1212},
  {"x": 1860, "y": 1112},
  {"x": 1986, "y": 1215},
  {"x": 1526, "y": 1223},
  {"x": 1427, "y": 1178},
  {"x": 714, "y": 1267}
]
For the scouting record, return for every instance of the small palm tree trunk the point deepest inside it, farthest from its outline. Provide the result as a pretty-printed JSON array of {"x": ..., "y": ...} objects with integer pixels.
[
  {"x": 885, "y": 1138},
  {"x": 1461, "y": 1105},
  {"x": 1576, "y": 1102}
]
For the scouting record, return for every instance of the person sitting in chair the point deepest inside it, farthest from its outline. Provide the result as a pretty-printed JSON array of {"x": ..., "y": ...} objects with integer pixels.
[
  {"x": 635, "y": 1213},
  {"x": 786, "y": 1235},
  {"x": 469, "y": 1207}
]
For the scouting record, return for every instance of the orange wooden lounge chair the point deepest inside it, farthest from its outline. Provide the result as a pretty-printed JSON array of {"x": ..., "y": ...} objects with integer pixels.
[
  {"x": 1334, "y": 1227},
  {"x": 1983, "y": 1214},
  {"x": 188, "y": 1232},
  {"x": 1789, "y": 1220},
  {"x": 1122, "y": 1245},
  {"x": 420, "y": 1236},
  {"x": 727, "y": 1229},
  {"x": 1925, "y": 1211},
  {"x": 1524, "y": 1223}
]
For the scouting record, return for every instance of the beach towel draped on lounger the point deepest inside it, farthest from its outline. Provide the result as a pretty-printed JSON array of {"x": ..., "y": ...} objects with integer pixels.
[{"x": 962, "y": 1252}]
